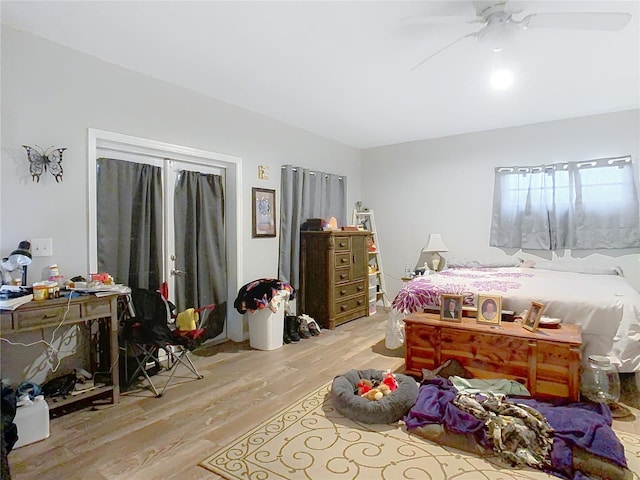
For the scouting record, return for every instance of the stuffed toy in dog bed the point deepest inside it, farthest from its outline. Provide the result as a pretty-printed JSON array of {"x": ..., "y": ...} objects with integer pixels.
[{"x": 388, "y": 408}]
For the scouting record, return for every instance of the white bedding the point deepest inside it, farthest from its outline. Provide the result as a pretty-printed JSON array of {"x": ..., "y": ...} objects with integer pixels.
[{"x": 605, "y": 306}]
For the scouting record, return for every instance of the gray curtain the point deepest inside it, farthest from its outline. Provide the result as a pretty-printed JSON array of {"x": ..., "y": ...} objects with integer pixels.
[
  {"x": 129, "y": 221},
  {"x": 200, "y": 248},
  {"x": 306, "y": 194},
  {"x": 578, "y": 205}
]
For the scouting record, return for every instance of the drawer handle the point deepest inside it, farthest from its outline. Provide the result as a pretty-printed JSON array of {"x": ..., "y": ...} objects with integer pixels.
[
  {"x": 343, "y": 260},
  {"x": 343, "y": 308},
  {"x": 342, "y": 244},
  {"x": 360, "y": 302},
  {"x": 360, "y": 289},
  {"x": 47, "y": 316},
  {"x": 343, "y": 292},
  {"x": 342, "y": 276}
]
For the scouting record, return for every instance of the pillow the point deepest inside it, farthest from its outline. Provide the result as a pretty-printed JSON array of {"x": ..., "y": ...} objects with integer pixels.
[
  {"x": 461, "y": 262},
  {"x": 579, "y": 267}
]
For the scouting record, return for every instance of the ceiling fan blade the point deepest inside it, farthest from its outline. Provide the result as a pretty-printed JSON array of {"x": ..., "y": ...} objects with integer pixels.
[
  {"x": 470, "y": 35},
  {"x": 611, "y": 21},
  {"x": 486, "y": 7},
  {"x": 437, "y": 20}
]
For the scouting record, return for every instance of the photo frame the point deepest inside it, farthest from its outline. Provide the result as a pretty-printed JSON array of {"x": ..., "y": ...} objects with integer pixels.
[
  {"x": 263, "y": 218},
  {"x": 532, "y": 320},
  {"x": 489, "y": 309},
  {"x": 451, "y": 307}
]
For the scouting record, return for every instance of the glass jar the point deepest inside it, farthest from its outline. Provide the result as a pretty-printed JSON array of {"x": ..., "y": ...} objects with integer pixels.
[{"x": 600, "y": 380}]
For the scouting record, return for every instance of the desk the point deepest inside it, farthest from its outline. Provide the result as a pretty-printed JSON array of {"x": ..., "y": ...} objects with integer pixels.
[
  {"x": 547, "y": 361},
  {"x": 37, "y": 315}
]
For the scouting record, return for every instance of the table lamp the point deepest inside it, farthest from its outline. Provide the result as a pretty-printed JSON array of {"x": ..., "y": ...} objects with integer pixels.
[
  {"x": 432, "y": 250},
  {"x": 21, "y": 257}
]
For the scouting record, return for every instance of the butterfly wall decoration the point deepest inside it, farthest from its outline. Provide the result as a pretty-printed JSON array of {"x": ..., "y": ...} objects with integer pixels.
[{"x": 45, "y": 160}]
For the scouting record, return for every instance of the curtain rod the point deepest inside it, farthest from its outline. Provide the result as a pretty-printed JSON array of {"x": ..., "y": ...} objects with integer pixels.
[
  {"x": 326, "y": 175},
  {"x": 590, "y": 163}
]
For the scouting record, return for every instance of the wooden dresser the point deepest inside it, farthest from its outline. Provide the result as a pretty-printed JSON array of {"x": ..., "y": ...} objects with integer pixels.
[
  {"x": 547, "y": 361},
  {"x": 334, "y": 276}
]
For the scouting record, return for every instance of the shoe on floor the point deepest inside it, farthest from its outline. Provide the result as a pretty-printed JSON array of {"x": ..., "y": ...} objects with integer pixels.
[
  {"x": 303, "y": 329},
  {"x": 313, "y": 326}
]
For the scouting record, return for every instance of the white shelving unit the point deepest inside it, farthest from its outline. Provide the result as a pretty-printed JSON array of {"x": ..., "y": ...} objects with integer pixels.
[{"x": 368, "y": 221}]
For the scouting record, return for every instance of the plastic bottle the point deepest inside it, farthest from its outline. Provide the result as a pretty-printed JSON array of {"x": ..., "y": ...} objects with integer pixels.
[{"x": 408, "y": 273}]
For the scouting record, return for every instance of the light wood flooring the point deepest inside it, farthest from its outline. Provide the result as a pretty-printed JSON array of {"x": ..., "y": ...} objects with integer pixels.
[{"x": 143, "y": 437}]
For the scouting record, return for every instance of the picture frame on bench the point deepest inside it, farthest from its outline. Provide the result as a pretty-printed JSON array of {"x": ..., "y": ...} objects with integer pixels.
[
  {"x": 489, "y": 309},
  {"x": 532, "y": 320},
  {"x": 451, "y": 307}
]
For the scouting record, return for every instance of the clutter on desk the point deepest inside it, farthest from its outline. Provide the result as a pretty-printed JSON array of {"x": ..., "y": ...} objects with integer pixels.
[
  {"x": 12, "y": 296},
  {"x": 99, "y": 284},
  {"x": 45, "y": 290}
]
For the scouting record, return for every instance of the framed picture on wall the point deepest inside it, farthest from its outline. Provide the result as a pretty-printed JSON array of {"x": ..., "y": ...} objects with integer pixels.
[
  {"x": 532, "y": 320},
  {"x": 451, "y": 307},
  {"x": 263, "y": 216},
  {"x": 489, "y": 309}
]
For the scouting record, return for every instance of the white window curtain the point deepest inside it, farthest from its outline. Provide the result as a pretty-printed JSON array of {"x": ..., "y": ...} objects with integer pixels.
[
  {"x": 576, "y": 205},
  {"x": 306, "y": 194}
]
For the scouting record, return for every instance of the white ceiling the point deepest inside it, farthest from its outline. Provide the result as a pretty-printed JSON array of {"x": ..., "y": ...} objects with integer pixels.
[{"x": 343, "y": 69}]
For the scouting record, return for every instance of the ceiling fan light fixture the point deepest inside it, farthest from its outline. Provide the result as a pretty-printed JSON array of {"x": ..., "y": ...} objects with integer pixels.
[
  {"x": 496, "y": 35},
  {"x": 501, "y": 79},
  {"x": 501, "y": 30}
]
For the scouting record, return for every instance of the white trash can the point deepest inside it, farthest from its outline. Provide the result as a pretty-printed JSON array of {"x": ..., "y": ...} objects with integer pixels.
[{"x": 266, "y": 329}]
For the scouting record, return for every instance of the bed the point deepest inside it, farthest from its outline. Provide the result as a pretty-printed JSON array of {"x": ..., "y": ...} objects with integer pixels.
[{"x": 599, "y": 299}]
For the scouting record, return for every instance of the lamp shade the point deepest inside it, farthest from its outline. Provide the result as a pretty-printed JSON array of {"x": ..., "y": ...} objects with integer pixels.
[
  {"x": 21, "y": 256},
  {"x": 435, "y": 244}
]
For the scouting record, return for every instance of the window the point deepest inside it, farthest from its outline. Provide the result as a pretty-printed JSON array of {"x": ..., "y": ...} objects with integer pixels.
[{"x": 577, "y": 205}]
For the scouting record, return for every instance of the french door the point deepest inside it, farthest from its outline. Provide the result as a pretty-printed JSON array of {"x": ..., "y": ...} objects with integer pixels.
[{"x": 198, "y": 242}]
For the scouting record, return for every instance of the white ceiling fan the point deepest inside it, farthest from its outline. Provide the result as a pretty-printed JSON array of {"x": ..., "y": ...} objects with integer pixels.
[{"x": 500, "y": 26}]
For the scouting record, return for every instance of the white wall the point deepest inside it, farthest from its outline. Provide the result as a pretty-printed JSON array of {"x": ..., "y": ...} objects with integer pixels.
[
  {"x": 445, "y": 186},
  {"x": 51, "y": 95}
]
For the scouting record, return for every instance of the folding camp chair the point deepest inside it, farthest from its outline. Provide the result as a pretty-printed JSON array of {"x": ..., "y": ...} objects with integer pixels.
[{"x": 150, "y": 333}]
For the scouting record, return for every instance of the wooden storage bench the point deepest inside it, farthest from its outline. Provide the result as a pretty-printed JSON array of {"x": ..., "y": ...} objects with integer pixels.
[{"x": 547, "y": 362}]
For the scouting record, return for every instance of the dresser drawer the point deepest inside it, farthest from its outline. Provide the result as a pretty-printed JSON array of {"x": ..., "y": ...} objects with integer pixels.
[
  {"x": 348, "y": 290},
  {"x": 343, "y": 243},
  {"x": 96, "y": 310},
  {"x": 350, "y": 315},
  {"x": 354, "y": 303},
  {"x": 42, "y": 317},
  {"x": 341, "y": 275},
  {"x": 342, "y": 260}
]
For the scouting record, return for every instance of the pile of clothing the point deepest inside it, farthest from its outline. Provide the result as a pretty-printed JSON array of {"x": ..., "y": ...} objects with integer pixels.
[
  {"x": 553, "y": 437},
  {"x": 271, "y": 293}
]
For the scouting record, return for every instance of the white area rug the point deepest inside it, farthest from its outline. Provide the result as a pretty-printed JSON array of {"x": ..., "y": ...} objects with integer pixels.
[{"x": 310, "y": 440}]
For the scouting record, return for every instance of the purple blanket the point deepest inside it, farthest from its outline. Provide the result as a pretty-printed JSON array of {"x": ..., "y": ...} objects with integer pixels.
[{"x": 587, "y": 426}]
